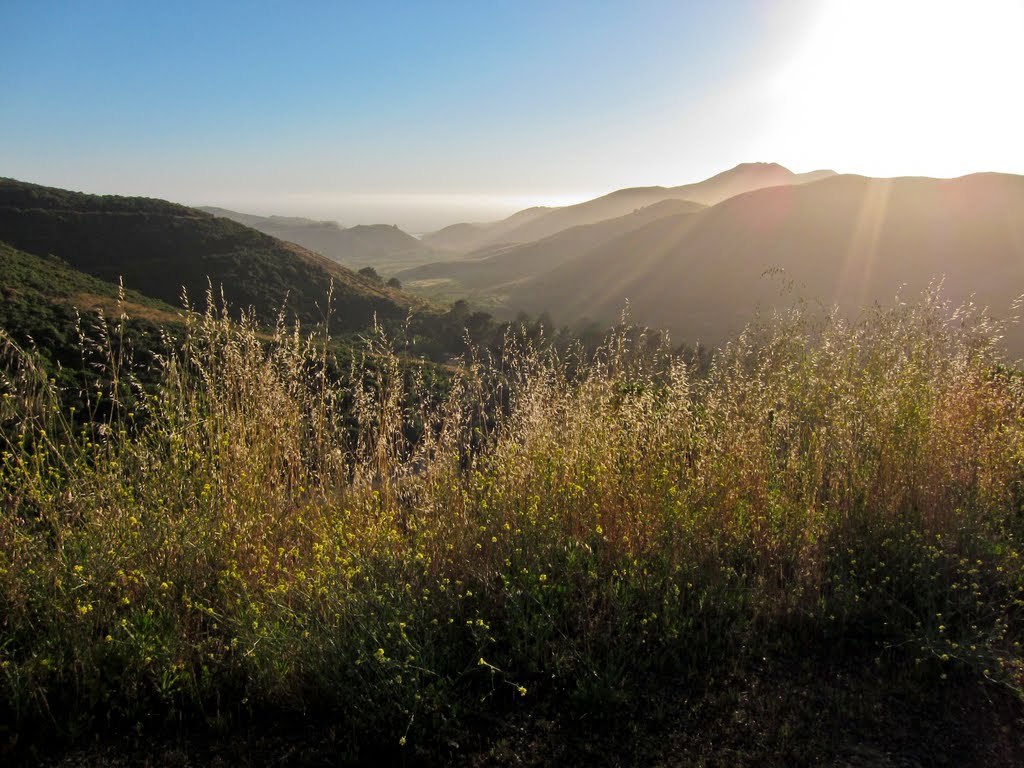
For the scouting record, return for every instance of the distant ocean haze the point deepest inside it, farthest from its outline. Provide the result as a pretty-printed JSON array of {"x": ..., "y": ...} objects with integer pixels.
[{"x": 416, "y": 213}]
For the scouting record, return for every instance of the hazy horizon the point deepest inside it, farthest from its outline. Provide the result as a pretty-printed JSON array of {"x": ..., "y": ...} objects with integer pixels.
[
  {"x": 430, "y": 114},
  {"x": 421, "y": 213},
  {"x": 416, "y": 213}
]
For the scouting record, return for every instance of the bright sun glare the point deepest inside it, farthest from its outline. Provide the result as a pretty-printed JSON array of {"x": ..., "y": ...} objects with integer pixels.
[{"x": 900, "y": 87}]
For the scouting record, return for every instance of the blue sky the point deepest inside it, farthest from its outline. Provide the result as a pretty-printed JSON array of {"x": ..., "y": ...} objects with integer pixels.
[{"x": 423, "y": 113}]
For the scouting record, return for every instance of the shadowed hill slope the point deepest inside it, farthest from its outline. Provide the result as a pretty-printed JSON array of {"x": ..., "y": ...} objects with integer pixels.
[
  {"x": 847, "y": 240},
  {"x": 158, "y": 248},
  {"x": 495, "y": 269}
]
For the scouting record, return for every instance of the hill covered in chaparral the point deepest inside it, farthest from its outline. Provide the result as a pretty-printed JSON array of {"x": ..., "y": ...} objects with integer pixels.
[{"x": 159, "y": 248}]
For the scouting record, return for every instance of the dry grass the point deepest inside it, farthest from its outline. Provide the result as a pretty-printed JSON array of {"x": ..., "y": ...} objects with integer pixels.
[{"x": 267, "y": 531}]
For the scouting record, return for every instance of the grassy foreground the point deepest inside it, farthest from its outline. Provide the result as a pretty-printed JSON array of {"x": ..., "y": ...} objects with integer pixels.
[{"x": 265, "y": 539}]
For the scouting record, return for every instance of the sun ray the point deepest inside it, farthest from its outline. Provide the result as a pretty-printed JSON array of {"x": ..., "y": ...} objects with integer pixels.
[{"x": 859, "y": 260}]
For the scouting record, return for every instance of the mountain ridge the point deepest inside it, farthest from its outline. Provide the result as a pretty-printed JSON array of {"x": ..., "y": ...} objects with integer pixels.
[
  {"x": 848, "y": 240},
  {"x": 493, "y": 267},
  {"x": 534, "y": 224}
]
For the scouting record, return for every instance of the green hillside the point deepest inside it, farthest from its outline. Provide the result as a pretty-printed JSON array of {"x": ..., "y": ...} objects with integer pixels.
[
  {"x": 158, "y": 248},
  {"x": 67, "y": 251},
  {"x": 76, "y": 324},
  {"x": 40, "y": 297}
]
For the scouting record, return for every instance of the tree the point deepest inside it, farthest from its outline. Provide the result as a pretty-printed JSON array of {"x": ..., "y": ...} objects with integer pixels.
[
  {"x": 459, "y": 311},
  {"x": 395, "y": 283},
  {"x": 370, "y": 274}
]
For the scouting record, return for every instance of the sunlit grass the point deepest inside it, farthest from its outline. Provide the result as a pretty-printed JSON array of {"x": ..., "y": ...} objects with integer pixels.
[{"x": 267, "y": 531}]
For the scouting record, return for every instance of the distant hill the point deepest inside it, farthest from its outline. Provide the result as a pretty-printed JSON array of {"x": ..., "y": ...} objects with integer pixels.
[
  {"x": 467, "y": 237},
  {"x": 271, "y": 225},
  {"x": 494, "y": 270},
  {"x": 386, "y": 248},
  {"x": 158, "y": 247},
  {"x": 537, "y": 223},
  {"x": 745, "y": 177},
  {"x": 847, "y": 240}
]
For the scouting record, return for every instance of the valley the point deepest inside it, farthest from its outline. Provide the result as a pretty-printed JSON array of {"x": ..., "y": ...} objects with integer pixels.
[{"x": 512, "y": 384}]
